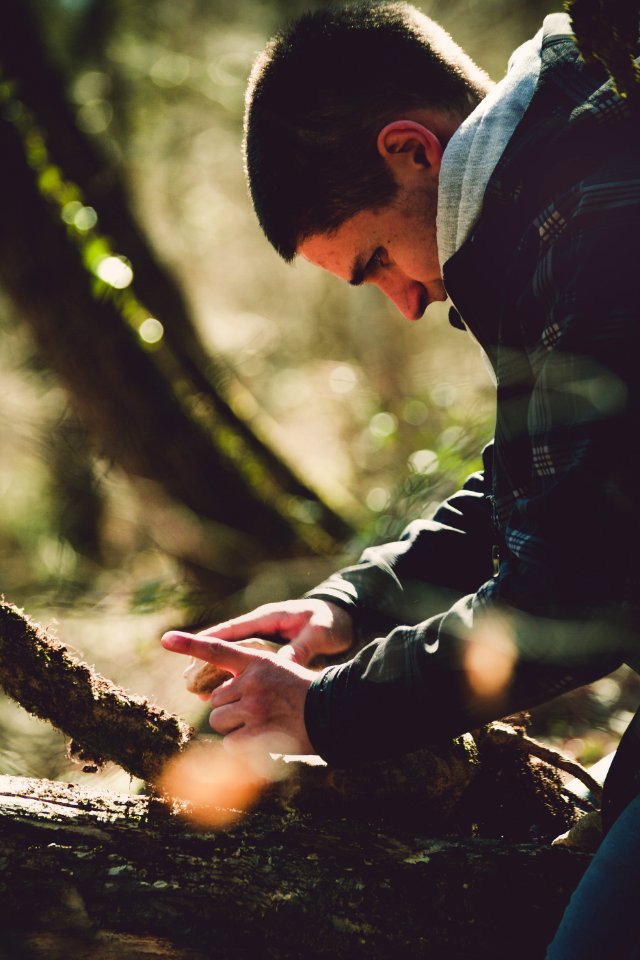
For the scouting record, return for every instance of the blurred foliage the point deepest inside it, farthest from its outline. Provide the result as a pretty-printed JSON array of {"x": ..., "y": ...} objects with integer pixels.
[
  {"x": 607, "y": 31},
  {"x": 383, "y": 417}
]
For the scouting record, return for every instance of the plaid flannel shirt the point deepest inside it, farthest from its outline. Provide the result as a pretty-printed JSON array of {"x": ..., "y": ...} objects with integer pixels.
[{"x": 547, "y": 284}]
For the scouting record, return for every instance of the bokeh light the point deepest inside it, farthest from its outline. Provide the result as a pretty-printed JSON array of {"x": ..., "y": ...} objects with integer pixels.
[
  {"x": 378, "y": 499},
  {"x": 115, "y": 271},
  {"x": 342, "y": 379},
  {"x": 151, "y": 331},
  {"x": 218, "y": 783},
  {"x": 383, "y": 425},
  {"x": 489, "y": 658},
  {"x": 424, "y": 461}
]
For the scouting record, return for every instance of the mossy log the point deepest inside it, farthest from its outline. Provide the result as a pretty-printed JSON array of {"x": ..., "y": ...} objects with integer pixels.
[
  {"x": 105, "y": 876},
  {"x": 104, "y": 721}
]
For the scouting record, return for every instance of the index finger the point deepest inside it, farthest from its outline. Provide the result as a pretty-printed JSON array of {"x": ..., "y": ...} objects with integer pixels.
[{"x": 226, "y": 655}]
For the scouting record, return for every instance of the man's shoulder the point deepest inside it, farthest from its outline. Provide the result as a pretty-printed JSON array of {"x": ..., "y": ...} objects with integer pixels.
[
  {"x": 570, "y": 90},
  {"x": 566, "y": 80},
  {"x": 573, "y": 131}
]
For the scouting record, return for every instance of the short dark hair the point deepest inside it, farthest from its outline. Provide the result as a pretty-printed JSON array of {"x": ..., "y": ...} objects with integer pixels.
[{"x": 317, "y": 98}]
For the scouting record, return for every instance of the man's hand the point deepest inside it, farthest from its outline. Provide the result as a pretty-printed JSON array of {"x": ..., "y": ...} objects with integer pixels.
[
  {"x": 311, "y": 627},
  {"x": 264, "y": 699}
]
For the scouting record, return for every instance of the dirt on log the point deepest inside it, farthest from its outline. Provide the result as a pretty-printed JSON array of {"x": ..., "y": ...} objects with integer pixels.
[{"x": 103, "y": 876}]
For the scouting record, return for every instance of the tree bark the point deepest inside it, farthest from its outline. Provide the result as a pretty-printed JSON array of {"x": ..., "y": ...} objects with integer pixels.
[
  {"x": 106, "y": 876},
  {"x": 24, "y": 58}
]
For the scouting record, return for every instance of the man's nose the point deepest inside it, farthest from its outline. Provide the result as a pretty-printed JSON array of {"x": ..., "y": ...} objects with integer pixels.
[{"x": 407, "y": 295}]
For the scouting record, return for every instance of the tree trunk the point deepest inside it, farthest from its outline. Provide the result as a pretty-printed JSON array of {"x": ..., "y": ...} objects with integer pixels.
[
  {"x": 159, "y": 414},
  {"x": 106, "y": 876},
  {"x": 24, "y": 57}
]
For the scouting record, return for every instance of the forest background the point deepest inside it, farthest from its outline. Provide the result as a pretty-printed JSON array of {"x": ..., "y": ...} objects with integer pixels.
[{"x": 380, "y": 417}]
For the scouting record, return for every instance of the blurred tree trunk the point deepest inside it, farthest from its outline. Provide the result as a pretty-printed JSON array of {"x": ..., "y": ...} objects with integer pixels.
[
  {"x": 80, "y": 507},
  {"x": 120, "y": 392},
  {"x": 159, "y": 415}
]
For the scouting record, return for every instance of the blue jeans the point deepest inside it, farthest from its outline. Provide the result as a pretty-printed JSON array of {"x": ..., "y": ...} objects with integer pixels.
[{"x": 602, "y": 919}]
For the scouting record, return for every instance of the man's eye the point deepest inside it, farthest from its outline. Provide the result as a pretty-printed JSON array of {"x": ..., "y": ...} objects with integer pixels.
[{"x": 378, "y": 258}]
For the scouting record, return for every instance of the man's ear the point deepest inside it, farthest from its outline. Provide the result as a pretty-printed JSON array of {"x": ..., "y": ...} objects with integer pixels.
[{"x": 409, "y": 147}]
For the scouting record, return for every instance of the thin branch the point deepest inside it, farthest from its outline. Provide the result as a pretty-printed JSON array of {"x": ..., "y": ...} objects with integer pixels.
[{"x": 502, "y": 733}]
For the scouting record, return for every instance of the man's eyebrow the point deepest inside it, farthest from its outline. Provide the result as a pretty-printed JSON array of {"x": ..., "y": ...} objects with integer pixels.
[{"x": 358, "y": 271}]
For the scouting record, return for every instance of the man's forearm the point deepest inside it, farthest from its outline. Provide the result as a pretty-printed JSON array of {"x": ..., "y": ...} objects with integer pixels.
[{"x": 433, "y": 564}]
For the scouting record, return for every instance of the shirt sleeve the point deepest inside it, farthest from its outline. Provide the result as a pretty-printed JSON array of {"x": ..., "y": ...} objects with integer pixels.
[
  {"x": 433, "y": 563},
  {"x": 564, "y": 607}
]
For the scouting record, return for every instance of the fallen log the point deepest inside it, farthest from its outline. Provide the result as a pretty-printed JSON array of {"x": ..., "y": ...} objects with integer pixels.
[{"x": 108, "y": 876}]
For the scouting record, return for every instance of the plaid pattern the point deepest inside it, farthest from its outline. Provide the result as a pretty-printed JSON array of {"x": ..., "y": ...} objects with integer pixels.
[
  {"x": 551, "y": 226},
  {"x": 548, "y": 285}
]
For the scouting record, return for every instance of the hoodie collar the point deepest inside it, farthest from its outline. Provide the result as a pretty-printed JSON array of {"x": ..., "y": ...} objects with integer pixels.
[{"x": 475, "y": 149}]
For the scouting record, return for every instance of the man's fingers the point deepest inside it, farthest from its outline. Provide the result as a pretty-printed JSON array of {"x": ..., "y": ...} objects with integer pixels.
[
  {"x": 297, "y": 651},
  {"x": 249, "y": 625},
  {"x": 288, "y": 652},
  {"x": 227, "y": 718},
  {"x": 226, "y": 655}
]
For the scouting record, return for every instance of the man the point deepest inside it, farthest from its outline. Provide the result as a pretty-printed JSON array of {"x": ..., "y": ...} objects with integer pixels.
[{"x": 377, "y": 150}]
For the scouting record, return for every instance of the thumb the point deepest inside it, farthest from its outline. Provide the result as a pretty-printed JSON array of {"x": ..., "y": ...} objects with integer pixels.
[
  {"x": 299, "y": 650},
  {"x": 229, "y": 656}
]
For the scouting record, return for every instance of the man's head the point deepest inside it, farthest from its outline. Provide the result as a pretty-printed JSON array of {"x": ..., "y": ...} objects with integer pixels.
[{"x": 348, "y": 112}]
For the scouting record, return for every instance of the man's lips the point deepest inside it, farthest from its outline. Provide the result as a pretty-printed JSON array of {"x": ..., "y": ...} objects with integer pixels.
[
  {"x": 425, "y": 299},
  {"x": 423, "y": 302}
]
